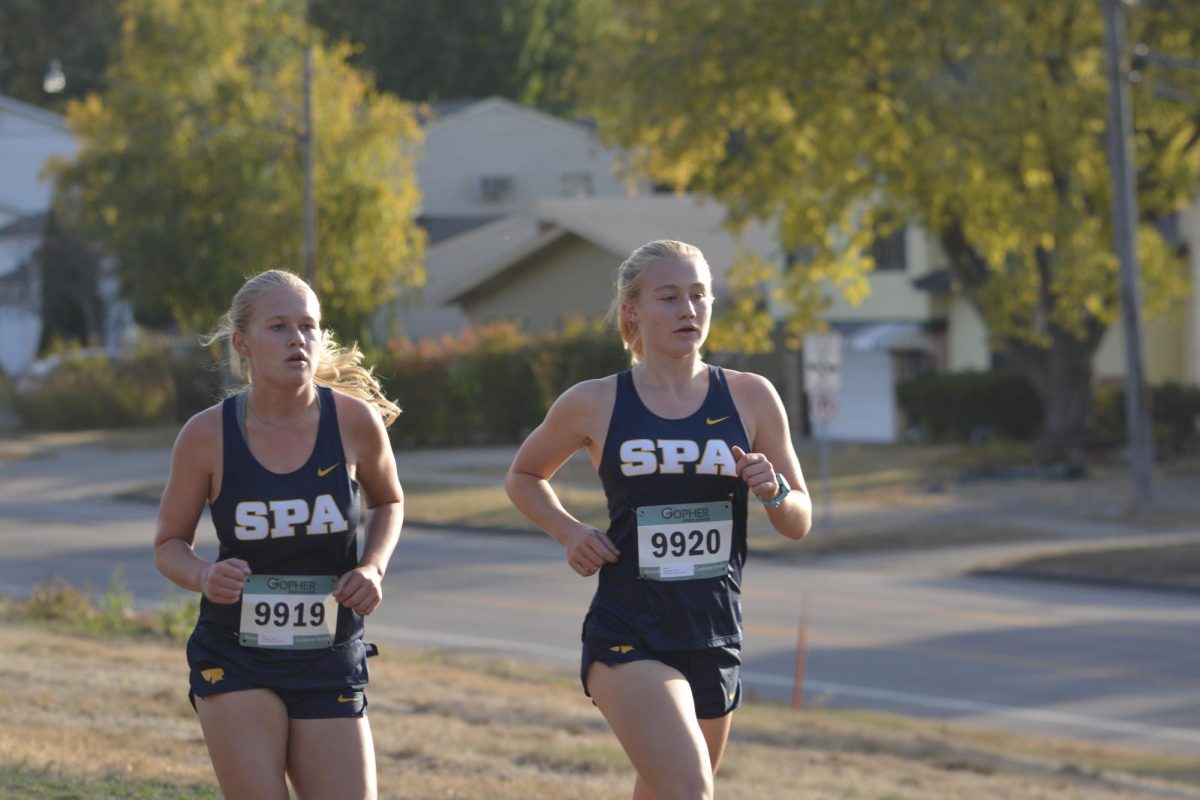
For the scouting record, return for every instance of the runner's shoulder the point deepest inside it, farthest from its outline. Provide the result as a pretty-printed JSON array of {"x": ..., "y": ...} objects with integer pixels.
[
  {"x": 750, "y": 386},
  {"x": 596, "y": 395}
]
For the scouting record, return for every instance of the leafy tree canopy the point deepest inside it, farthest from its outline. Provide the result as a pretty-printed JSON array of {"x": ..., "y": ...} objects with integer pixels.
[
  {"x": 420, "y": 50},
  {"x": 985, "y": 123},
  {"x": 190, "y": 166}
]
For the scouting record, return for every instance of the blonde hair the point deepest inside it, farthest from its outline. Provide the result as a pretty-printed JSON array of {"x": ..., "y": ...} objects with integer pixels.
[
  {"x": 629, "y": 284},
  {"x": 338, "y": 367}
]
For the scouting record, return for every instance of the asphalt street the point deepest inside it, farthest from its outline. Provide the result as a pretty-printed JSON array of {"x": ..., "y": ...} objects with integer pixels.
[{"x": 901, "y": 632}]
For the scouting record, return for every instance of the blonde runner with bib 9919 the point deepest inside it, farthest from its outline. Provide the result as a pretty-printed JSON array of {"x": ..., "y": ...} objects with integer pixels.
[{"x": 277, "y": 658}]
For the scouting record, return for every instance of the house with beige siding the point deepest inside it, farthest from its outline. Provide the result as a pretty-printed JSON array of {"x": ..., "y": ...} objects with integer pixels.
[{"x": 1170, "y": 341}]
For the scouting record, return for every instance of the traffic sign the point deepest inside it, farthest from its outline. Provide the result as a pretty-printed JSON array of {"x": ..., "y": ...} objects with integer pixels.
[
  {"x": 822, "y": 362},
  {"x": 822, "y": 405}
]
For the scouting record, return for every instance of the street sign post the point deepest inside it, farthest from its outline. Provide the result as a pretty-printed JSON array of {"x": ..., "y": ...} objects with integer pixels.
[
  {"x": 823, "y": 362},
  {"x": 822, "y": 382}
]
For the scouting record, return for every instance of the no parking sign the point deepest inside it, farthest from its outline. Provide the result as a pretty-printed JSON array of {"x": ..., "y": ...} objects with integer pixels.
[{"x": 822, "y": 374}]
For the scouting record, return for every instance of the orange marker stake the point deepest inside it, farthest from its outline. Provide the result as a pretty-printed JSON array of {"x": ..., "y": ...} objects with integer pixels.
[{"x": 801, "y": 655}]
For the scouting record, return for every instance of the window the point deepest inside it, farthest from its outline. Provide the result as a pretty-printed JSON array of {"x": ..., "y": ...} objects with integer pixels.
[
  {"x": 577, "y": 184},
  {"x": 889, "y": 252},
  {"x": 495, "y": 188}
]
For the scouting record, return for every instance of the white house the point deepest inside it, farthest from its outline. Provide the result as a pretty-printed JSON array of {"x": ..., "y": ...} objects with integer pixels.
[
  {"x": 494, "y": 157},
  {"x": 892, "y": 335},
  {"x": 485, "y": 160},
  {"x": 29, "y": 137}
]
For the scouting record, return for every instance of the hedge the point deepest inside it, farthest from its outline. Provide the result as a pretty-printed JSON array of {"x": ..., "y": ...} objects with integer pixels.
[
  {"x": 959, "y": 406},
  {"x": 493, "y": 384},
  {"x": 489, "y": 384},
  {"x": 1175, "y": 409},
  {"x": 159, "y": 384}
]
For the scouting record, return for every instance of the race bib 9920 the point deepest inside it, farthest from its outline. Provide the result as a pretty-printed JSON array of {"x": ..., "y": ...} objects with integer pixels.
[{"x": 685, "y": 541}]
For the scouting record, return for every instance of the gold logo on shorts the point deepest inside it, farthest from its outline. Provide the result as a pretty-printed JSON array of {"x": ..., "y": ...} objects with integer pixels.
[
  {"x": 349, "y": 699},
  {"x": 621, "y": 648},
  {"x": 213, "y": 675}
]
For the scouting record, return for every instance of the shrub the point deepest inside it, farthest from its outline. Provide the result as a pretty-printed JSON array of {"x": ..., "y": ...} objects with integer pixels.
[
  {"x": 958, "y": 406},
  {"x": 160, "y": 383},
  {"x": 581, "y": 351},
  {"x": 489, "y": 383},
  {"x": 178, "y": 615},
  {"x": 1175, "y": 409},
  {"x": 58, "y": 603}
]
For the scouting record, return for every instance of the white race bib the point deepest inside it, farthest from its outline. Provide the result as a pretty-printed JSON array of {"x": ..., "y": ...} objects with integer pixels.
[
  {"x": 290, "y": 612},
  {"x": 683, "y": 542}
]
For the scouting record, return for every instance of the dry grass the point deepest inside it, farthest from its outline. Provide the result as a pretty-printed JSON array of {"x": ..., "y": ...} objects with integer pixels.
[
  {"x": 458, "y": 727},
  {"x": 1163, "y": 566}
]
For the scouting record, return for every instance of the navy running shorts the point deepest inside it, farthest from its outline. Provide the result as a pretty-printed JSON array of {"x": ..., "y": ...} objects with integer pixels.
[
  {"x": 714, "y": 673},
  {"x": 211, "y": 680}
]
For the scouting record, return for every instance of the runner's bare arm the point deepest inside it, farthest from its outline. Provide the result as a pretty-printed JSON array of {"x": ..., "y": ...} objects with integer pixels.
[
  {"x": 188, "y": 487},
  {"x": 564, "y": 431},
  {"x": 375, "y": 470},
  {"x": 771, "y": 452}
]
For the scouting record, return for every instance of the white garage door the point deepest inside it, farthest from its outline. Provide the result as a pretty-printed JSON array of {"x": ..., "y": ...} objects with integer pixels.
[{"x": 866, "y": 401}]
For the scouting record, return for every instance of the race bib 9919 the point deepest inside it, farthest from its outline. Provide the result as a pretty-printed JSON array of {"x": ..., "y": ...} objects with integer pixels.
[{"x": 290, "y": 612}]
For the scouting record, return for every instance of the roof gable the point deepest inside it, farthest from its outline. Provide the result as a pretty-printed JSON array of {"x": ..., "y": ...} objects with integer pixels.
[
  {"x": 42, "y": 116},
  {"x": 618, "y": 225},
  {"x": 470, "y": 114}
]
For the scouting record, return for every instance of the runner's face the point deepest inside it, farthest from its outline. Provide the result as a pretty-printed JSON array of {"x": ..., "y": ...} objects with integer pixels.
[
  {"x": 283, "y": 338},
  {"x": 673, "y": 308}
]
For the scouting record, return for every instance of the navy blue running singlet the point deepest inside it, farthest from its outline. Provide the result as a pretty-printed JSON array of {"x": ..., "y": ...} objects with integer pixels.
[
  {"x": 303, "y": 523},
  {"x": 677, "y": 512}
]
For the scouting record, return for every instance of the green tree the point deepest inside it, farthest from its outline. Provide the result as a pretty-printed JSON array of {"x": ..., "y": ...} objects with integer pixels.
[
  {"x": 189, "y": 171},
  {"x": 982, "y": 122},
  {"x": 519, "y": 49},
  {"x": 71, "y": 307}
]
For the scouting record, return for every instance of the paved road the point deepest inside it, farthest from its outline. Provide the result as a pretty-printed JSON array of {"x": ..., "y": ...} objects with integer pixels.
[{"x": 905, "y": 633}]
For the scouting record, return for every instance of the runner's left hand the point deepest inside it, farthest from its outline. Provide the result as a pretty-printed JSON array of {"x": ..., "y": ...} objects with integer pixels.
[
  {"x": 757, "y": 472},
  {"x": 360, "y": 589}
]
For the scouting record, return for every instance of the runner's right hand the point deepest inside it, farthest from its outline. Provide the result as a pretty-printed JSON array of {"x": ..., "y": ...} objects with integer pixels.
[
  {"x": 222, "y": 582},
  {"x": 590, "y": 550}
]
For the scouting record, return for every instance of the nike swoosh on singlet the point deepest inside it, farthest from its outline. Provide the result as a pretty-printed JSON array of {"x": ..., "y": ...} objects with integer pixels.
[
  {"x": 321, "y": 473},
  {"x": 712, "y": 421}
]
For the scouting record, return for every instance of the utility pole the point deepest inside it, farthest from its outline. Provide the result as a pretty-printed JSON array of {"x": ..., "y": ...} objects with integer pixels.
[
  {"x": 1124, "y": 191},
  {"x": 308, "y": 145}
]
